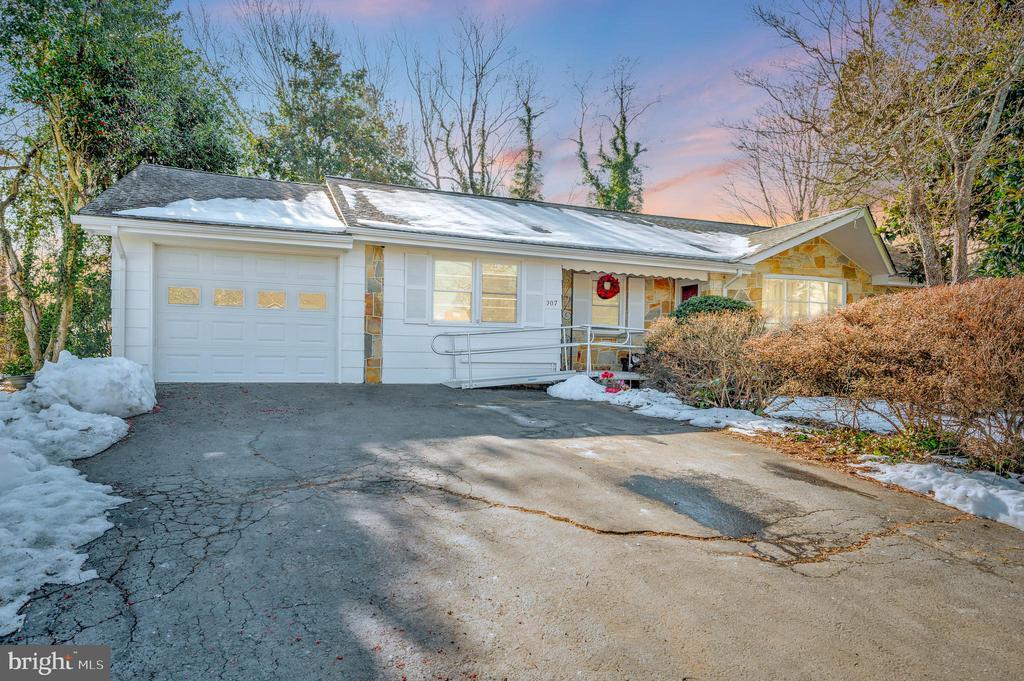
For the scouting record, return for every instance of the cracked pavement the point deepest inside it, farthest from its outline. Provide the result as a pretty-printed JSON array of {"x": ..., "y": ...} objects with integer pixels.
[{"x": 417, "y": 532}]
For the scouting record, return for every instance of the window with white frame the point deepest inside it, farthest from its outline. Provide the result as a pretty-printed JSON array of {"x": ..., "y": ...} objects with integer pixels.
[
  {"x": 606, "y": 312},
  {"x": 785, "y": 298},
  {"x": 499, "y": 292},
  {"x": 453, "y": 290},
  {"x": 467, "y": 291}
]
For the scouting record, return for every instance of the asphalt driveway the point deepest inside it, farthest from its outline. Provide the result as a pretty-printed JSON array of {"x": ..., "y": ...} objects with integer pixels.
[{"x": 398, "y": 532}]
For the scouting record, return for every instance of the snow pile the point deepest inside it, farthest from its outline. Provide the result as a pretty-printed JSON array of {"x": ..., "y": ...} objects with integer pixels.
[
  {"x": 55, "y": 430},
  {"x": 48, "y": 509},
  {"x": 315, "y": 211},
  {"x": 647, "y": 402},
  {"x": 833, "y": 411},
  {"x": 46, "y": 512},
  {"x": 108, "y": 385},
  {"x": 488, "y": 218},
  {"x": 982, "y": 493}
]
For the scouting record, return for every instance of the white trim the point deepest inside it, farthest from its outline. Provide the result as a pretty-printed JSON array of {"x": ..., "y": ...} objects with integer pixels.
[
  {"x": 798, "y": 277},
  {"x": 339, "y": 298},
  {"x": 122, "y": 332},
  {"x": 839, "y": 221},
  {"x": 476, "y": 294},
  {"x": 835, "y": 223},
  {"x": 230, "y": 233},
  {"x": 889, "y": 280}
]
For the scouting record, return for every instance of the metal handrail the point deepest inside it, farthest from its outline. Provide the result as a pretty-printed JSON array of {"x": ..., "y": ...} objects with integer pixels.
[{"x": 590, "y": 341}]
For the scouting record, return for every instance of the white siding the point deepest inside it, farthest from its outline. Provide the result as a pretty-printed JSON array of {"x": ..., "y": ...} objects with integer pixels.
[
  {"x": 407, "y": 354},
  {"x": 353, "y": 277},
  {"x": 132, "y": 333}
]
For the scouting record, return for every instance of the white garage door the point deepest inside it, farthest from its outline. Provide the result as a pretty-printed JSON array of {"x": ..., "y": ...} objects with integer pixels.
[{"x": 239, "y": 316}]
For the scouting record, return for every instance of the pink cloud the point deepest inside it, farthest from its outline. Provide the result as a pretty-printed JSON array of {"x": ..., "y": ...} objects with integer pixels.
[{"x": 712, "y": 171}]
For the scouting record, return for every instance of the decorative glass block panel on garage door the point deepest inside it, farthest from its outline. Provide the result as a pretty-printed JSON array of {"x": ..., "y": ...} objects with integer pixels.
[
  {"x": 312, "y": 301},
  {"x": 270, "y": 300},
  {"x": 229, "y": 297},
  {"x": 182, "y": 295}
]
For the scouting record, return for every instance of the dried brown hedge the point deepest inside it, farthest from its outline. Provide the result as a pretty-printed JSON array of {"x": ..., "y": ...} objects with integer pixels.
[
  {"x": 945, "y": 358},
  {"x": 703, "y": 359}
]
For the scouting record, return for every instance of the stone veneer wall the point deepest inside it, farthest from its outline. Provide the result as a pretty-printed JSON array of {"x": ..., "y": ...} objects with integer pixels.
[
  {"x": 815, "y": 258},
  {"x": 659, "y": 299},
  {"x": 373, "y": 314}
]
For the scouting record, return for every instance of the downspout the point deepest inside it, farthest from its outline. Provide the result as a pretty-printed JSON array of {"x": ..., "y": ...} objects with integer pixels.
[
  {"x": 115, "y": 238},
  {"x": 725, "y": 287}
]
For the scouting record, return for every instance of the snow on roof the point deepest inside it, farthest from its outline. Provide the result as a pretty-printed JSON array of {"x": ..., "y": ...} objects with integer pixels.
[
  {"x": 314, "y": 211},
  {"x": 451, "y": 214}
]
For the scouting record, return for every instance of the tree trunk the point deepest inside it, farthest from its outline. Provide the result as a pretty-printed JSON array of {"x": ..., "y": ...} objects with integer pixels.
[
  {"x": 66, "y": 292},
  {"x": 930, "y": 256},
  {"x": 962, "y": 229},
  {"x": 29, "y": 310}
]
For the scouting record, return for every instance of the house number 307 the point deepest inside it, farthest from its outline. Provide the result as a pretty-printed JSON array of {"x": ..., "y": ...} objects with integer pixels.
[{"x": 552, "y": 302}]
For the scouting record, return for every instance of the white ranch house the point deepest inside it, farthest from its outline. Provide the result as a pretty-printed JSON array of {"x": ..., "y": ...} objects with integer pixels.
[{"x": 217, "y": 278}]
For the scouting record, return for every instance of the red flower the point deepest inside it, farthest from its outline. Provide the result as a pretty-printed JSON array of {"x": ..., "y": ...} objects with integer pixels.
[{"x": 607, "y": 374}]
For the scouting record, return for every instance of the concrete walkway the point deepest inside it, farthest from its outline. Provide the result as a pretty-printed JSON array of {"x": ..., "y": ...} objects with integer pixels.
[{"x": 399, "y": 532}]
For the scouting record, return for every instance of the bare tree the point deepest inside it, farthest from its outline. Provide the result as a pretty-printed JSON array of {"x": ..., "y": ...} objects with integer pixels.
[
  {"x": 464, "y": 106},
  {"x": 912, "y": 93},
  {"x": 784, "y": 169}
]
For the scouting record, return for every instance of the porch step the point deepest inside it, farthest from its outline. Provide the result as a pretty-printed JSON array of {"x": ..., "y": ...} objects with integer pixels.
[{"x": 534, "y": 379}]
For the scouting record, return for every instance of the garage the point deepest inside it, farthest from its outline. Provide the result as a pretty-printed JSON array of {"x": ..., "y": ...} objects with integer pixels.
[{"x": 239, "y": 316}]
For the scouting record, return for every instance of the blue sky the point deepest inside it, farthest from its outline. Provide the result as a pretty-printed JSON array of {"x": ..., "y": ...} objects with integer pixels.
[{"x": 686, "y": 52}]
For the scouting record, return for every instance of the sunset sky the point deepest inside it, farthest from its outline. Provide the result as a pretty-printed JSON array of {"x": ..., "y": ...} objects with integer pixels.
[{"x": 687, "y": 52}]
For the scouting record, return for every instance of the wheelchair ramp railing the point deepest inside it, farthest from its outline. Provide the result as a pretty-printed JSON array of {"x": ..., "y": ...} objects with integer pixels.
[{"x": 477, "y": 356}]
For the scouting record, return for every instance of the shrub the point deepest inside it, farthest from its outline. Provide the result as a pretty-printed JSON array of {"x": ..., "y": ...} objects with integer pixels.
[
  {"x": 700, "y": 304},
  {"x": 703, "y": 360},
  {"x": 942, "y": 359}
]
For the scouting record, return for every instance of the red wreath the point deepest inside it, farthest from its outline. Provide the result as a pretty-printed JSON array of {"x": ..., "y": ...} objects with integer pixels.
[{"x": 607, "y": 287}]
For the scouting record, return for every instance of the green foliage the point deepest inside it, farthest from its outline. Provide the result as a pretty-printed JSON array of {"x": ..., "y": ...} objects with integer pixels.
[
  {"x": 116, "y": 85},
  {"x": 850, "y": 444},
  {"x": 526, "y": 181},
  {"x": 330, "y": 122},
  {"x": 699, "y": 304},
  {"x": 108, "y": 83},
  {"x": 1001, "y": 226},
  {"x": 616, "y": 183}
]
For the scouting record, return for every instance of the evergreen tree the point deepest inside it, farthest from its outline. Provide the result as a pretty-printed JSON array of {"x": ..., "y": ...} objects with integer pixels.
[
  {"x": 327, "y": 121},
  {"x": 107, "y": 83}
]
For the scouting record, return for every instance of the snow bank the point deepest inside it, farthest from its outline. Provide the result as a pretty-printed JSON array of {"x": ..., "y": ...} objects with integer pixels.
[
  {"x": 315, "y": 211},
  {"x": 832, "y": 411},
  {"x": 46, "y": 512},
  {"x": 658, "y": 404},
  {"x": 107, "y": 385},
  {"x": 47, "y": 509},
  {"x": 982, "y": 493}
]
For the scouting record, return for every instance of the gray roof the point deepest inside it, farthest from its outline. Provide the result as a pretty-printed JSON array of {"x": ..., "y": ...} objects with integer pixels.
[
  {"x": 364, "y": 210},
  {"x": 151, "y": 185},
  {"x": 443, "y": 213},
  {"x": 398, "y": 208},
  {"x": 773, "y": 236}
]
